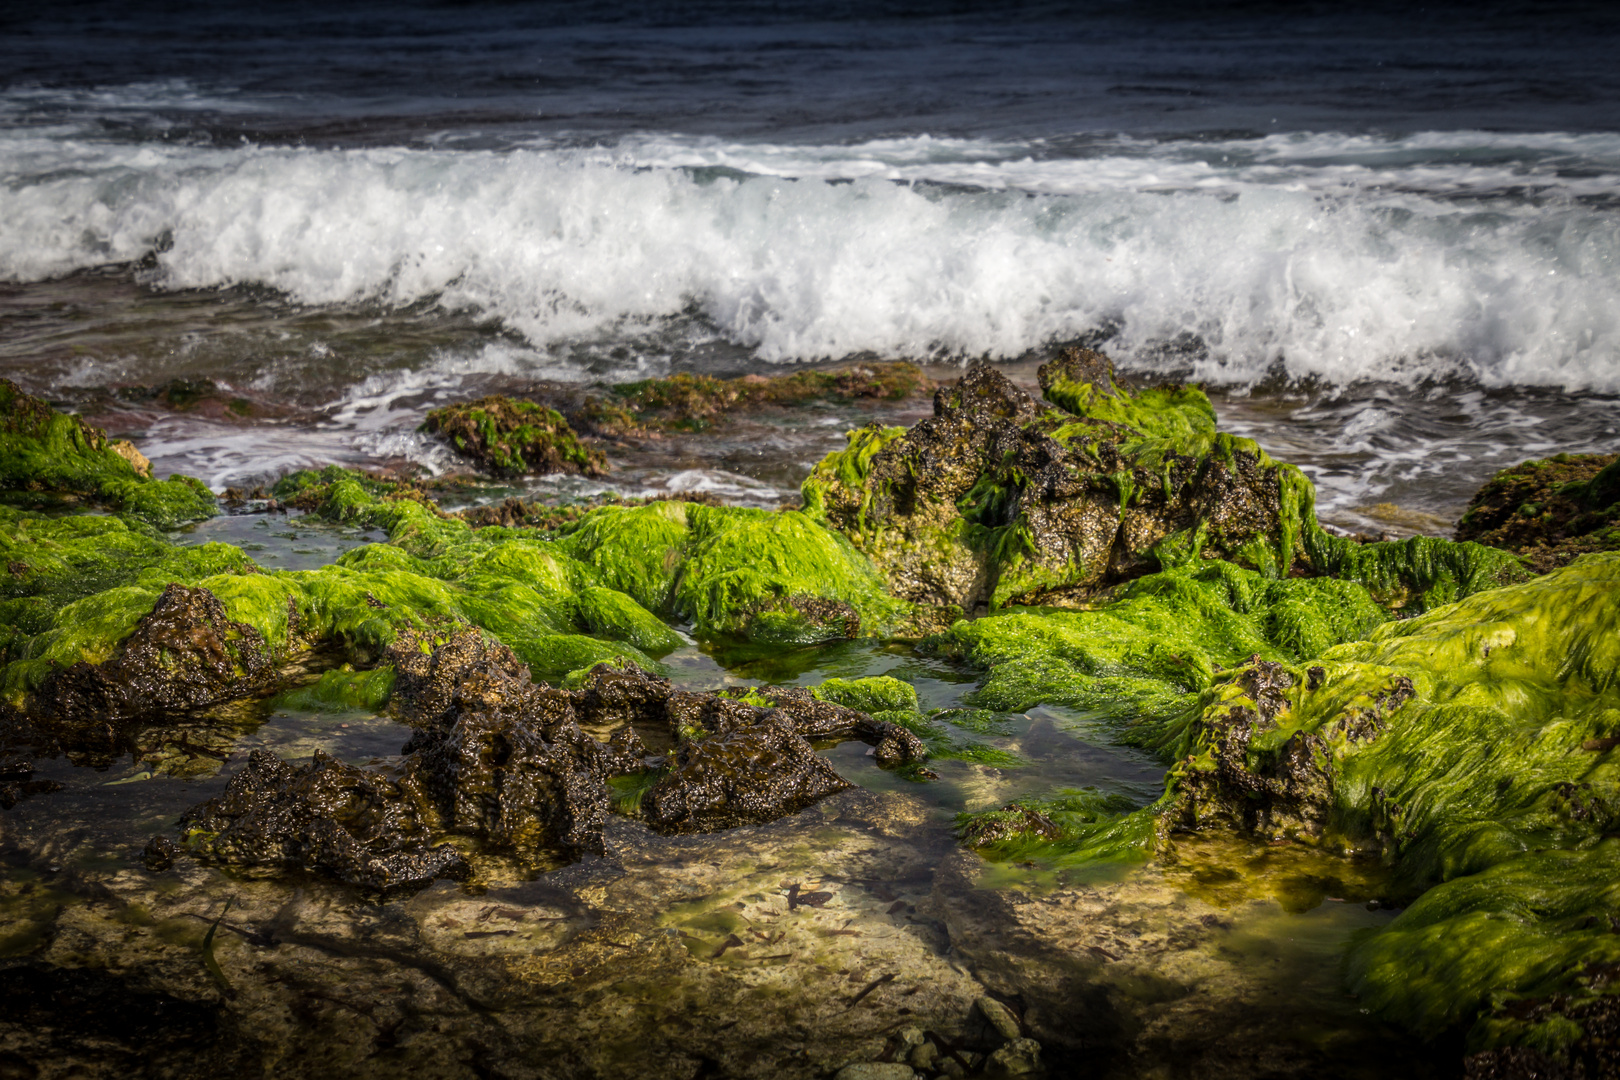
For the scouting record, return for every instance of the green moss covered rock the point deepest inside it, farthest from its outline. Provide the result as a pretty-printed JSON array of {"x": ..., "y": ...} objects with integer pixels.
[
  {"x": 514, "y": 438},
  {"x": 51, "y": 460},
  {"x": 762, "y": 576},
  {"x": 997, "y": 500},
  {"x": 1472, "y": 747},
  {"x": 1549, "y": 511}
]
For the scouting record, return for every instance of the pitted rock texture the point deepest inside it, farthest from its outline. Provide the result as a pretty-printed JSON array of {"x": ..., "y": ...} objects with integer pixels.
[
  {"x": 356, "y": 824},
  {"x": 751, "y": 772},
  {"x": 186, "y": 653},
  {"x": 517, "y": 766}
]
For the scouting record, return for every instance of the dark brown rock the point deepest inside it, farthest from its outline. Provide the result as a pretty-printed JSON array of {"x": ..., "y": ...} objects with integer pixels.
[
  {"x": 358, "y": 825},
  {"x": 748, "y": 775},
  {"x": 184, "y": 654}
]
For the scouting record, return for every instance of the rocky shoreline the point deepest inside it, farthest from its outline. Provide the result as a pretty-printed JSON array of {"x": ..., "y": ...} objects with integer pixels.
[{"x": 1445, "y": 711}]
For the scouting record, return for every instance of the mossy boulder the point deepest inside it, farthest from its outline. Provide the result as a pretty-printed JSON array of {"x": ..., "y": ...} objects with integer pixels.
[
  {"x": 997, "y": 500},
  {"x": 769, "y": 577},
  {"x": 1470, "y": 747},
  {"x": 1549, "y": 511},
  {"x": 52, "y": 460},
  {"x": 514, "y": 438}
]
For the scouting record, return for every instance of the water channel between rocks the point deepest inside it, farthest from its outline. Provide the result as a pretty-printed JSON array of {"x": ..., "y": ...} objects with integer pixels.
[{"x": 787, "y": 949}]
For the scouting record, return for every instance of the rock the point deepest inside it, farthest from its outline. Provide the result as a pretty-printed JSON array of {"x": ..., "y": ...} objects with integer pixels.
[
  {"x": 1549, "y": 511},
  {"x": 184, "y": 654},
  {"x": 748, "y": 774},
  {"x": 1021, "y": 1057},
  {"x": 514, "y": 438},
  {"x": 358, "y": 825},
  {"x": 998, "y": 500},
  {"x": 137, "y": 460},
  {"x": 48, "y": 459},
  {"x": 999, "y": 1017},
  {"x": 876, "y": 1070},
  {"x": 158, "y": 855},
  {"x": 924, "y": 1056},
  {"x": 498, "y": 757}
]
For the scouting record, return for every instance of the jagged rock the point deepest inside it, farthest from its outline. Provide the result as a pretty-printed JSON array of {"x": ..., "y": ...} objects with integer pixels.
[
  {"x": 1549, "y": 511},
  {"x": 183, "y": 654},
  {"x": 747, "y": 774},
  {"x": 498, "y": 757},
  {"x": 356, "y": 824},
  {"x": 158, "y": 855},
  {"x": 997, "y": 499}
]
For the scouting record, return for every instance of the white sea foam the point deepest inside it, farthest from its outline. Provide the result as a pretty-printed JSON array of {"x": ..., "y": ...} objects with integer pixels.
[{"x": 1342, "y": 257}]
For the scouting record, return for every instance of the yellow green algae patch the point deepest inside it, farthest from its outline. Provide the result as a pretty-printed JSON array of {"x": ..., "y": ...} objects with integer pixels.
[
  {"x": 79, "y": 585},
  {"x": 49, "y": 459},
  {"x": 1473, "y": 748},
  {"x": 768, "y": 577},
  {"x": 343, "y": 689}
]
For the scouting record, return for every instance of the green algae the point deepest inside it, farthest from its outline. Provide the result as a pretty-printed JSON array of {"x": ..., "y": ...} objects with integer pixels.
[
  {"x": 514, "y": 438},
  {"x": 79, "y": 585},
  {"x": 1070, "y": 827},
  {"x": 165, "y": 504},
  {"x": 873, "y": 694},
  {"x": 1160, "y": 639},
  {"x": 52, "y": 460},
  {"x": 342, "y": 689},
  {"x": 762, "y": 576},
  {"x": 999, "y": 501}
]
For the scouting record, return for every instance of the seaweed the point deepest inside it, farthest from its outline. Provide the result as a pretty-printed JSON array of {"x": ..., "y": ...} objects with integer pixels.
[
  {"x": 50, "y": 460},
  {"x": 514, "y": 438}
]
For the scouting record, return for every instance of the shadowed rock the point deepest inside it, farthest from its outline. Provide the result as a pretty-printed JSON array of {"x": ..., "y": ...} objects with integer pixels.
[{"x": 497, "y": 757}]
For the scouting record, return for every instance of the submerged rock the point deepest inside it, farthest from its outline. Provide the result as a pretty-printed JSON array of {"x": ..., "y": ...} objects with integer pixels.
[
  {"x": 514, "y": 438},
  {"x": 742, "y": 774},
  {"x": 1549, "y": 511},
  {"x": 359, "y": 825}
]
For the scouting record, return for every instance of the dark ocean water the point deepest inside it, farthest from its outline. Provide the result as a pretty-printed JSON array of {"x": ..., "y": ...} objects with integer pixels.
[{"x": 1388, "y": 239}]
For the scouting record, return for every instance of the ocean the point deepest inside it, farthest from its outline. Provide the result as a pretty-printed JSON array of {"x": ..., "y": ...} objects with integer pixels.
[{"x": 1387, "y": 240}]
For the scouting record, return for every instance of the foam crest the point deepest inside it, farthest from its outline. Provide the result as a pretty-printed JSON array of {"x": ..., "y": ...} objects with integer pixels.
[{"x": 1340, "y": 281}]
